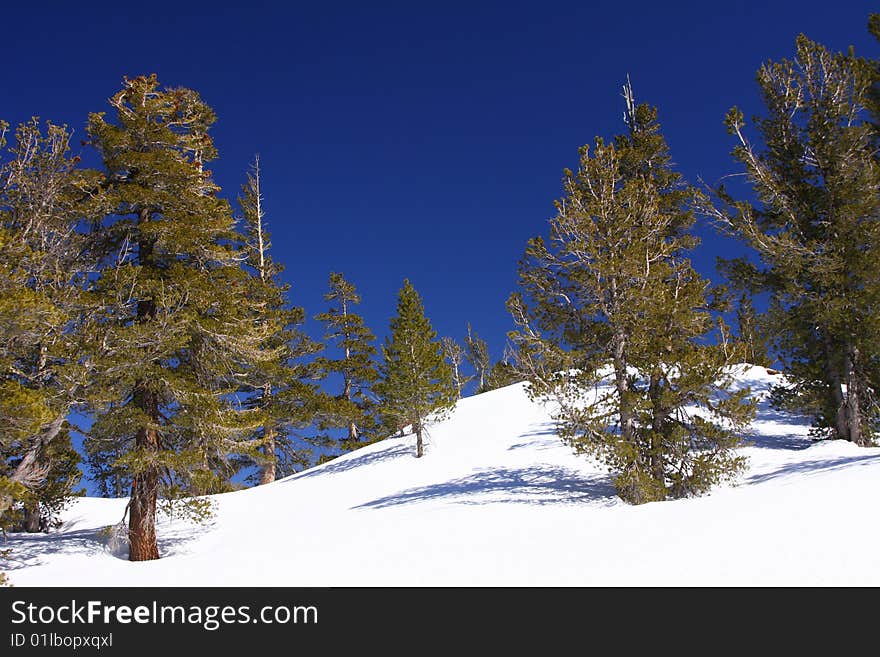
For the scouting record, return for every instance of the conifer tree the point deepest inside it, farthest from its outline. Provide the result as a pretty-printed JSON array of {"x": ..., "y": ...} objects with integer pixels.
[
  {"x": 43, "y": 268},
  {"x": 502, "y": 373},
  {"x": 345, "y": 329},
  {"x": 416, "y": 386},
  {"x": 455, "y": 356},
  {"x": 751, "y": 333},
  {"x": 173, "y": 323},
  {"x": 477, "y": 352},
  {"x": 39, "y": 506},
  {"x": 612, "y": 321},
  {"x": 277, "y": 382},
  {"x": 108, "y": 478},
  {"x": 816, "y": 173}
]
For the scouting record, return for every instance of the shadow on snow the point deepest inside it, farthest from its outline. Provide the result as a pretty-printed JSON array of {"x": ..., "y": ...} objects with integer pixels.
[
  {"x": 814, "y": 466},
  {"x": 32, "y": 549},
  {"x": 344, "y": 464},
  {"x": 533, "y": 485}
]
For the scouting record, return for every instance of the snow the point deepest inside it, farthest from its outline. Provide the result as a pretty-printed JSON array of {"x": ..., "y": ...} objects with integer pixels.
[{"x": 499, "y": 500}]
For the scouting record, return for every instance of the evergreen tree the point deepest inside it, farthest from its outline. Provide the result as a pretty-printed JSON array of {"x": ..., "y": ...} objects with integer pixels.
[
  {"x": 454, "y": 355},
  {"x": 477, "y": 353},
  {"x": 173, "y": 324},
  {"x": 751, "y": 333},
  {"x": 612, "y": 323},
  {"x": 277, "y": 381},
  {"x": 816, "y": 175},
  {"x": 345, "y": 329},
  {"x": 108, "y": 477},
  {"x": 39, "y": 506},
  {"x": 43, "y": 268},
  {"x": 502, "y": 373},
  {"x": 416, "y": 386}
]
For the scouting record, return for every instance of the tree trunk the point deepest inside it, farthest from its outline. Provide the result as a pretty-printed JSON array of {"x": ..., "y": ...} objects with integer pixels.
[
  {"x": 853, "y": 390},
  {"x": 145, "y": 485},
  {"x": 29, "y": 471},
  {"x": 420, "y": 451},
  {"x": 32, "y": 518},
  {"x": 267, "y": 476},
  {"x": 456, "y": 378},
  {"x": 833, "y": 377},
  {"x": 622, "y": 385},
  {"x": 352, "y": 426},
  {"x": 267, "y": 473},
  {"x": 658, "y": 418}
]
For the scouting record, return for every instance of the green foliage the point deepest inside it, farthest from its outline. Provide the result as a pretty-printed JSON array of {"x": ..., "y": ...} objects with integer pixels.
[
  {"x": 44, "y": 198},
  {"x": 275, "y": 379},
  {"x": 416, "y": 386},
  {"x": 612, "y": 324},
  {"x": 477, "y": 353},
  {"x": 500, "y": 375},
  {"x": 752, "y": 332},
  {"x": 176, "y": 326},
  {"x": 354, "y": 407},
  {"x": 815, "y": 174},
  {"x": 455, "y": 356},
  {"x": 24, "y": 411},
  {"x": 63, "y": 475},
  {"x": 198, "y": 510}
]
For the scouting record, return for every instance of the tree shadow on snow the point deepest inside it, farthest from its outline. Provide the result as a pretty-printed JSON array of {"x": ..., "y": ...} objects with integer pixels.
[
  {"x": 790, "y": 442},
  {"x": 344, "y": 464},
  {"x": 534, "y": 485},
  {"x": 27, "y": 550},
  {"x": 766, "y": 414},
  {"x": 815, "y": 466},
  {"x": 545, "y": 438}
]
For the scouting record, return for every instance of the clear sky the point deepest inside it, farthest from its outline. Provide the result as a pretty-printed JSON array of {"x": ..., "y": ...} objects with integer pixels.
[{"x": 419, "y": 140}]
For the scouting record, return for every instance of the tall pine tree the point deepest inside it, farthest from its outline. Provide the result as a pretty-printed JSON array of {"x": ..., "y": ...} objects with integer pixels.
[
  {"x": 173, "y": 324},
  {"x": 613, "y": 300},
  {"x": 277, "y": 380},
  {"x": 345, "y": 329},
  {"x": 416, "y": 386},
  {"x": 816, "y": 173},
  {"x": 44, "y": 263}
]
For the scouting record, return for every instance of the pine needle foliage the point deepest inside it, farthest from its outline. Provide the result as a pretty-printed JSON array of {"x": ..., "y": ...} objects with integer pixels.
[
  {"x": 416, "y": 387},
  {"x": 613, "y": 324}
]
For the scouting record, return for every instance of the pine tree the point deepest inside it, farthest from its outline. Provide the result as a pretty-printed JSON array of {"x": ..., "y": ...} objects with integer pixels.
[
  {"x": 477, "y": 353},
  {"x": 454, "y": 355},
  {"x": 345, "y": 329},
  {"x": 108, "y": 478},
  {"x": 416, "y": 387},
  {"x": 613, "y": 320},
  {"x": 43, "y": 267},
  {"x": 278, "y": 383},
  {"x": 38, "y": 508},
  {"x": 173, "y": 324},
  {"x": 751, "y": 333},
  {"x": 503, "y": 373},
  {"x": 816, "y": 175}
]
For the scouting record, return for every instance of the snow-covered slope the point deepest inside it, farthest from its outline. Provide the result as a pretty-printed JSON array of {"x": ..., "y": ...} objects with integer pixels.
[{"x": 498, "y": 500}]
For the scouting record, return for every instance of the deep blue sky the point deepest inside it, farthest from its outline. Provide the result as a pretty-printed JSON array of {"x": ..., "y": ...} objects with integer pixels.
[{"x": 412, "y": 139}]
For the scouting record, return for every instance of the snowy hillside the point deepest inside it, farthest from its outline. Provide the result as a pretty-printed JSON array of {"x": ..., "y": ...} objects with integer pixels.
[{"x": 498, "y": 500}]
